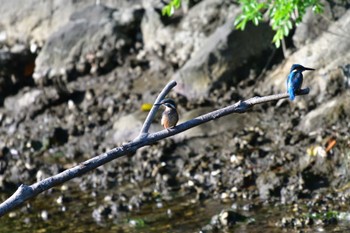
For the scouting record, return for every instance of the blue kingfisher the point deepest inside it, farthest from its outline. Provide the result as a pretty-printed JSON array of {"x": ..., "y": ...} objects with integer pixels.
[
  {"x": 169, "y": 116},
  {"x": 295, "y": 79}
]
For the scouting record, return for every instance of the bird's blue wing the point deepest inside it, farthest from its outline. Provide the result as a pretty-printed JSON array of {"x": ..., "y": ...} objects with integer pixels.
[{"x": 294, "y": 82}]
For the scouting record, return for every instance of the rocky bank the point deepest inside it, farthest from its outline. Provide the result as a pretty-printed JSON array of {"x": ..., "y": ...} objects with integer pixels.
[{"x": 74, "y": 77}]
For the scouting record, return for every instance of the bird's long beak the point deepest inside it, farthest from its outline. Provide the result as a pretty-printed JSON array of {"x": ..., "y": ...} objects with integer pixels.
[
  {"x": 305, "y": 68},
  {"x": 161, "y": 103}
]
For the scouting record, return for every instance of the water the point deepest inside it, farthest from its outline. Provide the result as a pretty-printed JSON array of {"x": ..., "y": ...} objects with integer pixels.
[{"x": 179, "y": 215}]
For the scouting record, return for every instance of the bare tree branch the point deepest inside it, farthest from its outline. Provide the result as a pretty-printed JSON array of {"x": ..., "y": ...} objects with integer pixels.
[{"x": 25, "y": 192}]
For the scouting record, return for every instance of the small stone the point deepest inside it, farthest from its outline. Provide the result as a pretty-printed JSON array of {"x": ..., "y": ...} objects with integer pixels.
[{"x": 44, "y": 215}]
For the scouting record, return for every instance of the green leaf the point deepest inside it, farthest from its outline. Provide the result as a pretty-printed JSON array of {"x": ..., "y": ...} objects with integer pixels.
[
  {"x": 277, "y": 43},
  {"x": 285, "y": 30},
  {"x": 280, "y": 13},
  {"x": 318, "y": 8},
  {"x": 177, "y": 3},
  {"x": 252, "y": 5},
  {"x": 242, "y": 25},
  {"x": 256, "y": 21},
  {"x": 166, "y": 10},
  {"x": 171, "y": 10},
  {"x": 246, "y": 8},
  {"x": 261, "y": 6},
  {"x": 277, "y": 38}
]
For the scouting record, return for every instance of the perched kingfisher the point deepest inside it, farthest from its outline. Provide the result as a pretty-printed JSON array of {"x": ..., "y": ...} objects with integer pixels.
[
  {"x": 295, "y": 79},
  {"x": 169, "y": 116}
]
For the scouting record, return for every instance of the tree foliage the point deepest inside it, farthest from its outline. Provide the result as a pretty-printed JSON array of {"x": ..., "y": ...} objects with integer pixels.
[
  {"x": 282, "y": 14},
  {"x": 169, "y": 9}
]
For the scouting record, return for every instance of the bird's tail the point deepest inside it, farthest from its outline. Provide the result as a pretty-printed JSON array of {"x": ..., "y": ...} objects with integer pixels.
[{"x": 291, "y": 94}]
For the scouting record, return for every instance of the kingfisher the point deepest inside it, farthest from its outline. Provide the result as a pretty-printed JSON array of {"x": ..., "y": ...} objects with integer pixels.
[
  {"x": 295, "y": 79},
  {"x": 170, "y": 115}
]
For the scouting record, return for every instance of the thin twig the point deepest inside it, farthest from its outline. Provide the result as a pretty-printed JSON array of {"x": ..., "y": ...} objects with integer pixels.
[{"x": 25, "y": 192}]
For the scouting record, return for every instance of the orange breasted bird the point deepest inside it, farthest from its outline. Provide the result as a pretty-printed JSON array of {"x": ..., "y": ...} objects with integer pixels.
[{"x": 170, "y": 115}]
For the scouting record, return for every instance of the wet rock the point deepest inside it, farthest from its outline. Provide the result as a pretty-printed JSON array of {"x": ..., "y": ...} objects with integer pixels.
[
  {"x": 228, "y": 218},
  {"x": 101, "y": 213},
  {"x": 321, "y": 211},
  {"x": 225, "y": 220},
  {"x": 44, "y": 215},
  {"x": 269, "y": 185},
  {"x": 290, "y": 222}
]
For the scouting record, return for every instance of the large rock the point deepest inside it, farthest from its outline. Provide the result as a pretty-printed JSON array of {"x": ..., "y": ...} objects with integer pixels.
[
  {"x": 176, "y": 42},
  {"x": 313, "y": 25},
  {"x": 93, "y": 40},
  {"x": 222, "y": 54},
  {"x": 37, "y": 20},
  {"x": 335, "y": 111}
]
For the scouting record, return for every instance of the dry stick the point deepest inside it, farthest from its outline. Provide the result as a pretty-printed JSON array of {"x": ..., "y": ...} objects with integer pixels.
[{"x": 25, "y": 192}]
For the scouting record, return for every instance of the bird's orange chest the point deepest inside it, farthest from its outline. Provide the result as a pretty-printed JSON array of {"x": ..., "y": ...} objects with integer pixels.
[{"x": 169, "y": 118}]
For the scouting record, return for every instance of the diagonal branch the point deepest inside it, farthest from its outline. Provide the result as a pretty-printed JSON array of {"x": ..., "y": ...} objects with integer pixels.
[
  {"x": 239, "y": 107},
  {"x": 25, "y": 192}
]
